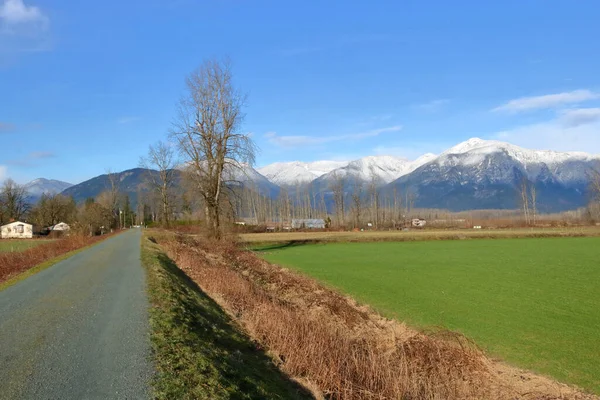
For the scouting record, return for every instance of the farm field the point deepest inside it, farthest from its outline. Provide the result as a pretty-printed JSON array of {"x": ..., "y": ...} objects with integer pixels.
[
  {"x": 12, "y": 245},
  {"x": 532, "y": 302},
  {"x": 416, "y": 234}
]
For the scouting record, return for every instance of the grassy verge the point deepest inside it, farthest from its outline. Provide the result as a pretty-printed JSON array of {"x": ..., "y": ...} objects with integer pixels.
[
  {"x": 199, "y": 352},
  {"x": 26, "y": 273},
  {"x": 38, "y": 268},
  {"x": 533, "y": 302},
  {"x": 12, "y": 245}
]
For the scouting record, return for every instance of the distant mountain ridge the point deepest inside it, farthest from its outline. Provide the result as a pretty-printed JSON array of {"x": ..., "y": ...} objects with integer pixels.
[
  {"x": 40, "y": 186},
  {"x": 474, "y": 174},
  {"x": 291, "y": 173},
  {"x": 132, "y": 182},
  {"x": 479, "y": 174}
]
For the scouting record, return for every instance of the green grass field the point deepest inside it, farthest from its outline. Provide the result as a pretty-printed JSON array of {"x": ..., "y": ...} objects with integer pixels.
[
  {"x": 9, "y": 245},
  {"x": 532, "y": 302}
]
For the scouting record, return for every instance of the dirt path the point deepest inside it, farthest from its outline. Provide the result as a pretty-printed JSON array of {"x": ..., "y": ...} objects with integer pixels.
[{"x": 79, "y": 330}]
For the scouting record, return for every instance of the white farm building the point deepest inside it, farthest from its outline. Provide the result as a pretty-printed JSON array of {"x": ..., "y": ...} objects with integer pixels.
[
  {"x": 312, "y": 223},
  {"x": 17, "y": 230},
  {"x": 61, "y": 226}
]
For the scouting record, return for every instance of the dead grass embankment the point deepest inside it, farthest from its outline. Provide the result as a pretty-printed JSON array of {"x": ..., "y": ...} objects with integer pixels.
[
  {"x": 15, "y": 263},
  {"x": 346, "y": 351},
  {"x": 416, "y": 234}
]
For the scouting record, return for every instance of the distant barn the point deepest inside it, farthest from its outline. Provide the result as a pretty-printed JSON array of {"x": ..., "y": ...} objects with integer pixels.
[
  {"x": 61, "y": 226},
  {"x": 17, "y": 230},
  {"x": 316, "y": 223},
  {"x": 418, "y": 222}
]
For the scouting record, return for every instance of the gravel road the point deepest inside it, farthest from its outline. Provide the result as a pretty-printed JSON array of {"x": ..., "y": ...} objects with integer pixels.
[{"x": 79, "y": 330}]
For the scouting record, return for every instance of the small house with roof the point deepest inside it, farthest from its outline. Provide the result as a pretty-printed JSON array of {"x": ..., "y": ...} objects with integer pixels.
[{"x": 17, "y": 230}]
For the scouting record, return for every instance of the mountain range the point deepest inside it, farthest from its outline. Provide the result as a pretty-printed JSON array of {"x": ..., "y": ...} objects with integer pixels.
[
  {"x": 475, "y": 174},
  {"x": 38, "y": 187}
]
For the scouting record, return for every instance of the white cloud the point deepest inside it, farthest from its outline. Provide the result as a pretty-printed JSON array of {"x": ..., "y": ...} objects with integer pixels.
[
  {"x": 302, "y": 140},
  {"x": 580, "y": 116},
  {"x": 14, "y": 12},
  {"x": 547, "y": 101},
  {"x": 3, "y": 172},
  {"x": 23, "y": 28},
  {"x": 555, "y": 135}
]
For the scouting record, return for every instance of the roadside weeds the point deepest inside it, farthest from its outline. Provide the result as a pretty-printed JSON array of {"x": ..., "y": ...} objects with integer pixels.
[
  {"x": 16, "y": 266},
  {"x": 199, "y": 352}
]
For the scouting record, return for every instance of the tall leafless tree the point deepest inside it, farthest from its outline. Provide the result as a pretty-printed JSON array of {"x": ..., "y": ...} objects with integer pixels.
[
  {"x": 533, "y": 201},
  {"x": 14, "y": 202},
  {"x": 161, "y": 157},
  {"x": 594, "y": 189},
  {"x": 524, "y": 198},
  {"x": 337, "y": 187},
  {"x": 374, "y": 194},
  {"x": 357, "y": 203},
  {"x": 207, "y": 130}
]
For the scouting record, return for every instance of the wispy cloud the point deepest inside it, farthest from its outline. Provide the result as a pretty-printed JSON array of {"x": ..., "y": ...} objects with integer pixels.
[
  {"x": 555, "y": 135},
  {"x": 524, "y": 104},
  {"x": 39, "y": 155},
  {"x": 24, "y": 28},
  {"x": 32, "y": 159},
  {"x": 382, "y": 117},
  {"x": 579, "y": 116},
  {"x": 3, "y": 172},
  {"x": 16, "y": 12},
  {"x": 5, "y": 127},
  {"x": 432, "y": 106},
  {"x": 127, "y": 120},
  {"x": 304, "y": 141}
]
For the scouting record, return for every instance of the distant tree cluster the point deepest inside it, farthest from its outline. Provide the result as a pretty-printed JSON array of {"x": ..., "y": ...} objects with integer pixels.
[{"x": 14, "y": 202}]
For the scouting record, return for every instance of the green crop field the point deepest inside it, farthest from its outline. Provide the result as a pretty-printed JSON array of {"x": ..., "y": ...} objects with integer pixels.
[
  {"x": 532, "y": 302},
  {"x": 9, "y": 245}
]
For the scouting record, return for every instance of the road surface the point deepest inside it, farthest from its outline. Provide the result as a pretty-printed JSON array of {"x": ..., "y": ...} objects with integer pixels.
[{"x": 79, "y": 330}]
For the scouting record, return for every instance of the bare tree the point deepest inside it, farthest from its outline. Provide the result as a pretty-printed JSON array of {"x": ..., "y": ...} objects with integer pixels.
[
  {"x": 524, "y": 197},
  {"x": 533, "y": 200},
  {"x": 52, "y": 209},
  {"x": 161, "y": 158},
  {"x": 13, "y": 201},
  {"x": 207, "y": 130},
  {"x": 112, "y": 194},
  {"x": 337, "y": 187},
  {"x": 357, "y": 203},
  {"x": 594, "y": 190},
  {"x": 374, "y": 194}
]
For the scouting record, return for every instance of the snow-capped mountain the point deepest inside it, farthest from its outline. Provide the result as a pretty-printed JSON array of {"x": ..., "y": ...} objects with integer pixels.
[
  {"x": 533, "y": 161},
  {"x": 40, "y": 186},
  {"x": 290, "y": 173},
  {"x": 246, "y": 175},
  {"x": 487, "y": 174},
  {"x": 382, "y": 169}
]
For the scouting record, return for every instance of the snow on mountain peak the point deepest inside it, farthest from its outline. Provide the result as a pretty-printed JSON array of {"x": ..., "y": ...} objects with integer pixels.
[
  {"x": 476, "y": 149},
  {"x": 289, "y": 173},
  {"x": 39, "y": 186}
]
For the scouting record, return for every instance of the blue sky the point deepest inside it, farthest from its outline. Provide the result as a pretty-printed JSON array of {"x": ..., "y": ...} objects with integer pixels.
[{"x": 87, "y": 86}]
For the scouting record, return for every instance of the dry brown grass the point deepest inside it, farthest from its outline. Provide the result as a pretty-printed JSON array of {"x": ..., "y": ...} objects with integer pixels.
[
  {"x": 416, "y": 234},
  {"x": 347, "y": 351},
  {"x": 15, "y": 263}
]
